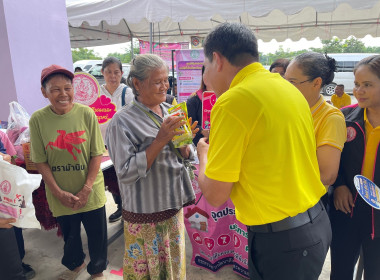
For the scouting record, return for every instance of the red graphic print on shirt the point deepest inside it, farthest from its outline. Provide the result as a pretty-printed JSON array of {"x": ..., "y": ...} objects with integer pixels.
[{"x": 66, "y": 141}]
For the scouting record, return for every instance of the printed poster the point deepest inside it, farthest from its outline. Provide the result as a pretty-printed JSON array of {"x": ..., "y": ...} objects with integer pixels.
[
  {"x": 217, "y": 238},
  {"x": 164, "y": 50},
  {"x": 86, "y": 92},
  {"x": 189, "y": 72},
  {"x": 196, "y": 42}
]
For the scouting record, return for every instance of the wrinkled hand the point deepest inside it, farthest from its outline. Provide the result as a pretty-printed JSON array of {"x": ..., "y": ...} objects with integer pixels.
[
  {"x": 202, "y": 147},
  {"x": 67, "y": 199},
  {"x": 205, "y": 133},
  {"x": 5, "y": 223},
  {"x": 6, "y": 157},
  {"x": 184, "y": 151},
  {"x": 83, "y": 195},
  {"x": 193, "y": 125},
  {"x": 167, "y": 130},
  {"x": 343, "y": 200}
]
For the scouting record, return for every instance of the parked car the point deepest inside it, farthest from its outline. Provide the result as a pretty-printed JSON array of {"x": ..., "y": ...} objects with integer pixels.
[
  {"x": 86, "y": 64},
  {"x": 97, "y": 73},
  {"x": 344, "y": 74},
  {"x": 126, "y": 68}
]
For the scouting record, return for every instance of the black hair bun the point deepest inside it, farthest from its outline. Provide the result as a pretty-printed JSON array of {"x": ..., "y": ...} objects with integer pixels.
[{"x": 331, "y": 64}]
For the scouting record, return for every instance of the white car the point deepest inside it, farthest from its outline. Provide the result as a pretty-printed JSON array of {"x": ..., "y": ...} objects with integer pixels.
[
  {"x": 86, "y": 64},
  {"x": 345, "y": 64}
]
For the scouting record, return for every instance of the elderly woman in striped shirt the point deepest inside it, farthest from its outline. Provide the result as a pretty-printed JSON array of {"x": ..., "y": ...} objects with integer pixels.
[{"x": 153, "y": 181}]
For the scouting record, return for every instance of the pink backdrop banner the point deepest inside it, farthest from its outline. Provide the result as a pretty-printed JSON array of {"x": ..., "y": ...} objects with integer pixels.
[
  {"x": 164, "y": 50},
  {"x": 217, "y": 238},
  {"x": 189, "y": 72},
  {"x": 208, "y": 101}
]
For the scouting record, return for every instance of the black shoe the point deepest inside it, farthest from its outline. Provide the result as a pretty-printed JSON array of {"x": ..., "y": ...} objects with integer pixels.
[
  {"x": 29, "y": 272},
  {"x": 115, "y": 216}
]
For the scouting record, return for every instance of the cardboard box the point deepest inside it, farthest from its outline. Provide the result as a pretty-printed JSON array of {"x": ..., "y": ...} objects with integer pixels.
[{"x": 28, "y": 163}]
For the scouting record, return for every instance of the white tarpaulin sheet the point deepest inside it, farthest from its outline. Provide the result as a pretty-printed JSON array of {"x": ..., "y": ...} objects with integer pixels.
[{"x": 95, "y": 22}]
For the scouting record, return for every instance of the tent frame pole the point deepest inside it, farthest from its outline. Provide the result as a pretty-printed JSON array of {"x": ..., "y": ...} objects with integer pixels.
[{"x": 151, "y": 37}]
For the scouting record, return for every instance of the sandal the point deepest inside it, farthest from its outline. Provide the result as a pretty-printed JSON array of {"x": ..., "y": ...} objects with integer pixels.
[{"x": 70, "y": 274}]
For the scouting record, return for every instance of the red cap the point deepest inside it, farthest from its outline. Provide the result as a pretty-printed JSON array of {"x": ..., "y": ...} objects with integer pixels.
[{"x": 53, "y": 69}]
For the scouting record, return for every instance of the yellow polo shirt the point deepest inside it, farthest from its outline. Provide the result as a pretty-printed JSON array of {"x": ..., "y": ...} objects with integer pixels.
[
  {"x": 340, "y": 102},
  {"x": 329, "y": 125},
  {"x": 372, "y": 142},
  {"x": 262, "y": 139}
]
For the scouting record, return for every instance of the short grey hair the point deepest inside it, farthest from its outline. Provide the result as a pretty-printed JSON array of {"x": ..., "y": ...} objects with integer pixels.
[{"x": 141, "y": 68}]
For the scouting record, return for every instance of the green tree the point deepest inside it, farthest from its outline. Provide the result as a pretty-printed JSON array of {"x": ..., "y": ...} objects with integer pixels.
[
  {"x": 269, "y": 58},
  {"x": 83, "y": 53},
  {"x": 126, "y": 56},
  {"x": 332, "y": 46},
  {"x": 372, "y": 50},
  {"x": 335, "y": 45},
  {"x": 353, "y": 45}
]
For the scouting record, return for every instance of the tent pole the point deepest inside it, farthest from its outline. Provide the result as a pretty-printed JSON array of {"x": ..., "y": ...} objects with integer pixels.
[
  {"x": 173, "y": 51},
  {"x": 132, "y": 54},
  {"x": 150, "y": 37}
]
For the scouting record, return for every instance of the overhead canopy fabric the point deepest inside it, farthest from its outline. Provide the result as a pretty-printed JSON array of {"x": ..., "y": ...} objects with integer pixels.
[{"x": 104, "y": 22}]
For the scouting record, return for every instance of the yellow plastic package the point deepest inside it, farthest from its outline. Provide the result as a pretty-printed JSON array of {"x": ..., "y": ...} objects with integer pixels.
[{"x": 187, "y": 137}]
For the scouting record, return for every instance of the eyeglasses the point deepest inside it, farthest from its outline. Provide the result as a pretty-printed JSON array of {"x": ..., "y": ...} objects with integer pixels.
[{"x": 298, "y": 83}]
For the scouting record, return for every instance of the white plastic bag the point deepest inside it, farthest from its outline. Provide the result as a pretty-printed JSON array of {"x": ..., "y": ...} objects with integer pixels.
[
  {"x": 18, "y": 124},
  {"x": 16, "y": 201}
]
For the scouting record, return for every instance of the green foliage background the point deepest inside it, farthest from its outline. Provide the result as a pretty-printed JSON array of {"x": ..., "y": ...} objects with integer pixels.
[
  {"x": 84, "y": 53},
  {"x": 335, "y": 45}
]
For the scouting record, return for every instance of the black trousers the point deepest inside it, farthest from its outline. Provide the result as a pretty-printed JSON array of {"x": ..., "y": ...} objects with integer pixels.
[
  {"x": 10, "y": 262},
  {"x": 110, "y": 180},
  {"x": 349, "y": 234},
  {"x": 20, "y": 241},
  {"x": 117, "y": 199},
  {"x": 95, "y": 224},
  {"x": 295, "y": 254}
]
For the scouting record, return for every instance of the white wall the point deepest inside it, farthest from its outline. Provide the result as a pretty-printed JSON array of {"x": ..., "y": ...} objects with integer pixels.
[{"x": 33, "y": 35}]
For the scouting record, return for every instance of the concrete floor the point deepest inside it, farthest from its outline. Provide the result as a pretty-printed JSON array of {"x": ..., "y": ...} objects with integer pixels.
[{"x": 44, "y": 252}]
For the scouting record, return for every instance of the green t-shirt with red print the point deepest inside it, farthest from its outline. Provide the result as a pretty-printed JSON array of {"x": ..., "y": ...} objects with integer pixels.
[{"x": 66, "y": 143}]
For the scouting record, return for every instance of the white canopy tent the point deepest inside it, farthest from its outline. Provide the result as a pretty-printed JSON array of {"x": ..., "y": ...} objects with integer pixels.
[{"x": 105, "y": 22}]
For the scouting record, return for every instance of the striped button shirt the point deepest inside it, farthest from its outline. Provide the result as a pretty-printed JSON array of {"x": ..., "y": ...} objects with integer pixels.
[{"x": 166, "y": 185}]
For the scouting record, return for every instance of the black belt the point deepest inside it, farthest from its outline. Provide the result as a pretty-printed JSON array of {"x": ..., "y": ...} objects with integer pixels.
[{"x": 290, "y": 222}]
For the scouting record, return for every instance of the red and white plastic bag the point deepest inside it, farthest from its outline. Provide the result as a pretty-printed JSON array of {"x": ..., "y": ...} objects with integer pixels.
[{"x": 16, "y": 201}]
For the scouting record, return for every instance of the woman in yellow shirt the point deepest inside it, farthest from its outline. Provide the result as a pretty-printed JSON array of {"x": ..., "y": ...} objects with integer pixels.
[{"x": 309, "y": 72}]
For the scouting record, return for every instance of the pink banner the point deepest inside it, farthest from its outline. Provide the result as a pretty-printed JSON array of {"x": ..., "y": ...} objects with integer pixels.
[
  {"x": 217, "y": 238},
  {"x": 189, "y": 72},
  {"x": 208, "y": 101},
  {"x": 164, "y": 50}
]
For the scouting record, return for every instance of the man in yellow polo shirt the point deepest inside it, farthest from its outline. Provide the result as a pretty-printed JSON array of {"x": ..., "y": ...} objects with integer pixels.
[
  {"x": 262, "y": 155},
  {"x": 340, "y": 98}
]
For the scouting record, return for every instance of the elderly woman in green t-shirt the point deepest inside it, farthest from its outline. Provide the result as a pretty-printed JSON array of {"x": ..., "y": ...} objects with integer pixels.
[{"x": 67, "y": 147}]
